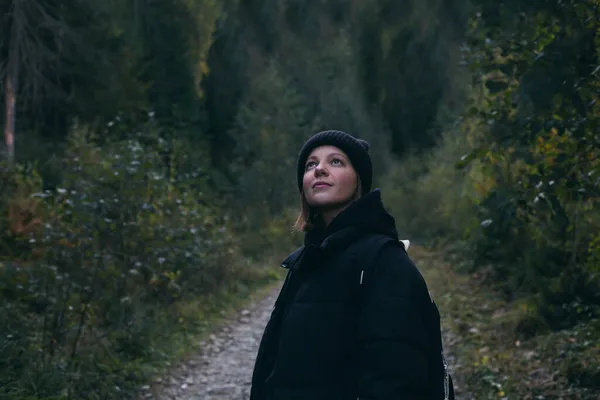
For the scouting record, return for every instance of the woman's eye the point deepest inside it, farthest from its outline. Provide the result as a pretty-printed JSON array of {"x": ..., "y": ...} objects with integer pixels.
[
  {"x": 336, "y": 161},
  {"x": 310, "y": 164}
]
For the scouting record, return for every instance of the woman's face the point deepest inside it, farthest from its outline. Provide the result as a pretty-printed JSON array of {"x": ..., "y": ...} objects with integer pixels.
[{"x": 330, "y": 181}]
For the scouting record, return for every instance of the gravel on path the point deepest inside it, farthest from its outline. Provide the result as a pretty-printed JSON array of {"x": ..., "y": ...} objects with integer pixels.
[{"x": 223, "y": 369}]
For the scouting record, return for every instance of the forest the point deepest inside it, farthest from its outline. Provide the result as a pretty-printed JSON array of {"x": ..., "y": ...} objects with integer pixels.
[{"x": 148, "y": 163}]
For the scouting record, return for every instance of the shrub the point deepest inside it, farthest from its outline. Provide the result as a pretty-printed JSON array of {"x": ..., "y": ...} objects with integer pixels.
[
  {"x": 510, "y": 215},
  {"x": 98, "y": 266},
  {"x": 432, "y": 201}
]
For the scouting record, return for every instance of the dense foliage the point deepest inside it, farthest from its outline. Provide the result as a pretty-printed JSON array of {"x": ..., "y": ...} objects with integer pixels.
[
  {"x": 522, "y": 203},
  {"x": 542, "y": 151},
  {"x": 153, "y": 141},
  {"x": 95, "y": 271}
]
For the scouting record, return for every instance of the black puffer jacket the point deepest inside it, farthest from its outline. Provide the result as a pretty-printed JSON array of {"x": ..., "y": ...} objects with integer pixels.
[{"x": 342, "y": 329}]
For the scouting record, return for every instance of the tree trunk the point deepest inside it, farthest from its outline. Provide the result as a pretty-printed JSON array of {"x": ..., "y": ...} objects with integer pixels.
[
  {"x": 10, "y": 101},
  {"x": 12, "y": 80}
]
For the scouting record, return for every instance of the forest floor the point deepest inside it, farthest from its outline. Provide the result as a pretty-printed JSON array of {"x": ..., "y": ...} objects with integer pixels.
[
  {"x": 488, "y": 360},
  {"x": 221, "y": 369},
  {"x": 500, "y": 349}
]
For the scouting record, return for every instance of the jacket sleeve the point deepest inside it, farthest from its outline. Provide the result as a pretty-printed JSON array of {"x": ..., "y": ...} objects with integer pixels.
[{"x": 392, "y": 355}]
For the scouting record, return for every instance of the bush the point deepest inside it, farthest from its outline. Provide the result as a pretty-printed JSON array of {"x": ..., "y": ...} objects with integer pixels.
[
  {"x": 539, "y": 234},
  {"x": 432, "y": 201},
  {"x": 98, "y": 267},
  {"x": 508, "y": 215}
]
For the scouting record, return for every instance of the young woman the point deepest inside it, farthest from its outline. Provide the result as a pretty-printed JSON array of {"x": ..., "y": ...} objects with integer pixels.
[{"x": 354, "y": 319}]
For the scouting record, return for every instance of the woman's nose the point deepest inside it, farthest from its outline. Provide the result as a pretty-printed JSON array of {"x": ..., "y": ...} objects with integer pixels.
[{"x": 319, "y": 171}]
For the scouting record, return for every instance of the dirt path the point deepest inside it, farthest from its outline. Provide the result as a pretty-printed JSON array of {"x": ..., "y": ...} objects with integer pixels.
[{"x": 224, "y": 368}]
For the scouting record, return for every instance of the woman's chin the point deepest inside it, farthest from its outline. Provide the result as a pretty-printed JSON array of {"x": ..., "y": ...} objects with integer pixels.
[
  {"x": 320, "y": 204},
  {"x": 320, "y": 200},
  {"x": 325, "y": 202}
]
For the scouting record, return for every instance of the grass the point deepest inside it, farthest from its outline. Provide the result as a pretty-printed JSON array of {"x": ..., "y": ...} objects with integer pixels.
[
  {"x": 200, "y": 318},
  {"x": 491, "y": 355},
  {"x": 170, "y": 336},
  {"x": 225, "y": 310}
]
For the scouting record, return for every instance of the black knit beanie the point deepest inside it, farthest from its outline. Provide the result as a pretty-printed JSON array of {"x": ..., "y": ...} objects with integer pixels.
[{"x": 356, "y": 149}]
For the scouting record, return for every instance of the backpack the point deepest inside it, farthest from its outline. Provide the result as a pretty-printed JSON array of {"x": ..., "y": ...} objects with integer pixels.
[{"x": 443, "y": 389}]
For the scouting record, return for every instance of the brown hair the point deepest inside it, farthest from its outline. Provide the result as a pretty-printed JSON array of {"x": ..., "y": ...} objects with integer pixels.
[
  {"x": 309, "y": 218},
  {"x": 305, "y": 220}
]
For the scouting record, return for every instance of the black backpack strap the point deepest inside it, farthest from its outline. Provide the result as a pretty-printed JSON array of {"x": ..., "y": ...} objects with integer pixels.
[
  {"x": 367, "y": 249},
  {"x": 373, "y": 246},
  {"x": 438, "y": 357}
]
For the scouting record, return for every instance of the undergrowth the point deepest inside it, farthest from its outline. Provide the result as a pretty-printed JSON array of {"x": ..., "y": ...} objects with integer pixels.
[
  {"x": 502, "y": 349},
  {"x": 114, "y": 272}
]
